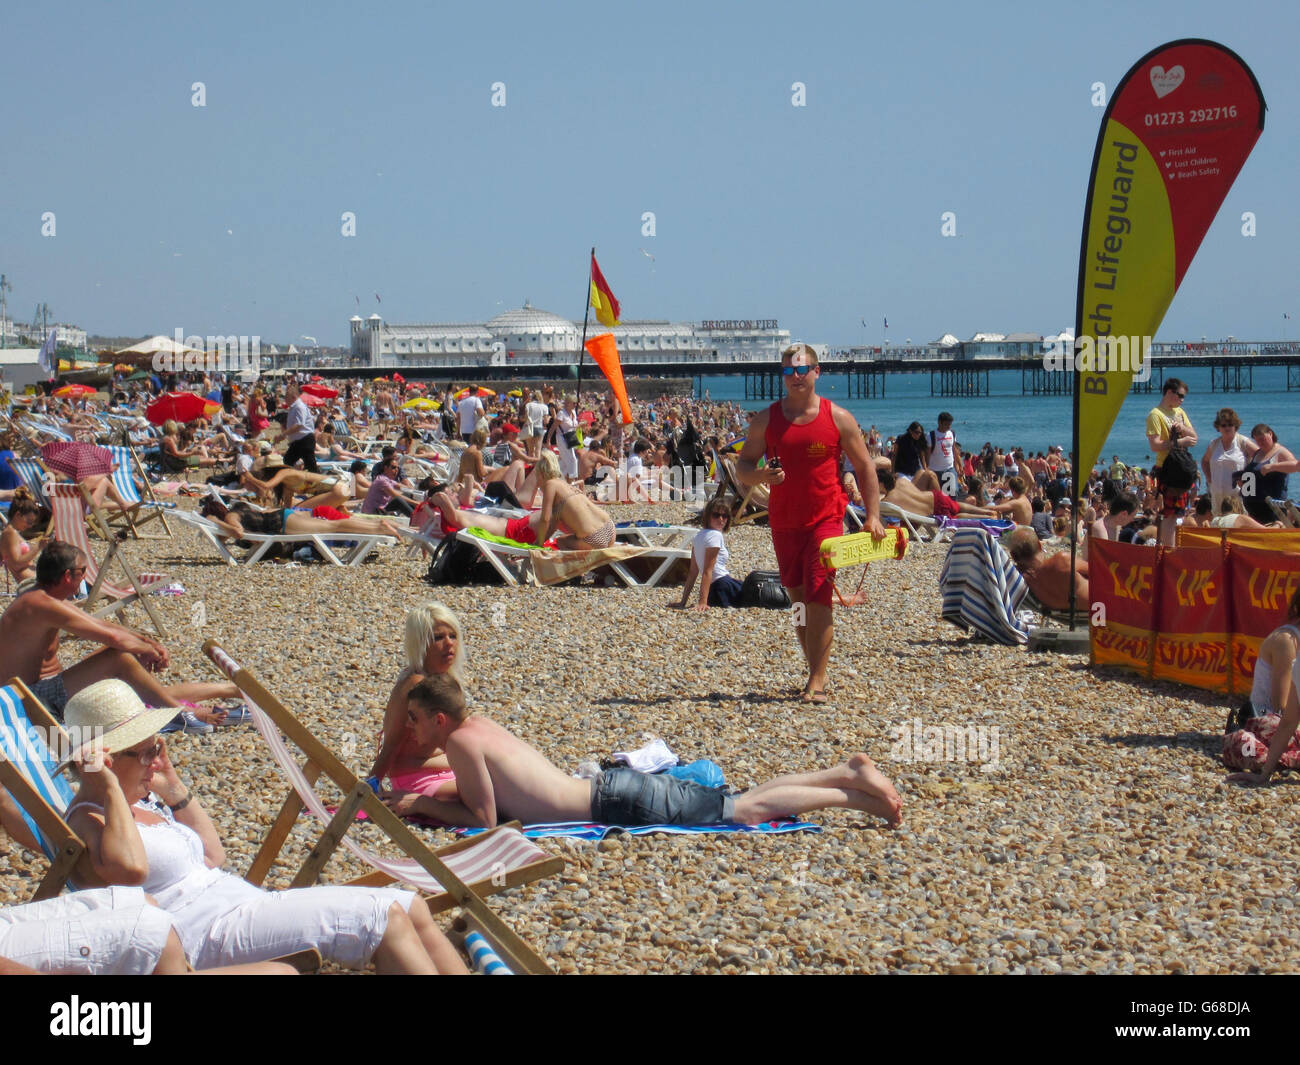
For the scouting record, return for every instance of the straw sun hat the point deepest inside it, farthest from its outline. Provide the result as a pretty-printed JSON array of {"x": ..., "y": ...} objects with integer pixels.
[{"x": 113, "y": 707}]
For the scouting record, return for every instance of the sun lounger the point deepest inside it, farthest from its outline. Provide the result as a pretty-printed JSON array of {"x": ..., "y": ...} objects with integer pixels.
[
  {"x": 362, "y": 543},
  {"x": 456, "y": 875},
  {"x": 34, "y": 476},
  {"x": 140, "y": 509},
  {"x": 747, "y": 504}
]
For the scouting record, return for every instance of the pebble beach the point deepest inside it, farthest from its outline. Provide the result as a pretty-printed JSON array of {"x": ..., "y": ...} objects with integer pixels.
[{"x": 1094, "y": 832}]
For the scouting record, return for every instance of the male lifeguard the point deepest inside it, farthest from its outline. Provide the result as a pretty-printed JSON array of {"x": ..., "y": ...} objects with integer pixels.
[{"x": 807, "y": 434}]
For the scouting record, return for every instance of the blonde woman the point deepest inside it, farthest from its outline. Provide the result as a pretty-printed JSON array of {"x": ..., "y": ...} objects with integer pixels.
[{"x": 432, "y": 645}]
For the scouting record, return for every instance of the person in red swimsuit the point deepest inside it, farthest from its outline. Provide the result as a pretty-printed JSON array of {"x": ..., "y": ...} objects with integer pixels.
[{"x": 807, "y": 433}]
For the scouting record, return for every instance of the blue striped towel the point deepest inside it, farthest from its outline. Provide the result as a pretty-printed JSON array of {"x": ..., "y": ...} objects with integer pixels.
[
  {"x": 982, "y": 589},
  {"x": 590, "y": 830}
]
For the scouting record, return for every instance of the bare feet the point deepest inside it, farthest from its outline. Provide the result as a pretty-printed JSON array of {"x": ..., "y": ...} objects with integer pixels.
[
  {"x": 881, "y": 798},
  {"x": 389, "y": 528}
]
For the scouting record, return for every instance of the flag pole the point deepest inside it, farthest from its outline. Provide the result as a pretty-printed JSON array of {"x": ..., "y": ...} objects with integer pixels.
[{"x": 586, "y": 315}]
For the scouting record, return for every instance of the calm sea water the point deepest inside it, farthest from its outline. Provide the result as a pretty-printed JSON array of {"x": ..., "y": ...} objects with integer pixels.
[{"x": 1009, "y": 419}]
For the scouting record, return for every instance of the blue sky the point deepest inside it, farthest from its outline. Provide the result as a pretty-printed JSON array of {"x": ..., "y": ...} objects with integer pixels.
[{"x": 227, "y": 218}]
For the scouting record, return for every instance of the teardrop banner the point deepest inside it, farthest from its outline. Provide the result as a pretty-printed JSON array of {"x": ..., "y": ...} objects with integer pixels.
[{"x": 1173, "y": 139}]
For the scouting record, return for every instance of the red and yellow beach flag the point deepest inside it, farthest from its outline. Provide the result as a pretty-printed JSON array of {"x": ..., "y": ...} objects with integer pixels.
[
  {"x": 605, "y": 353},
  {"x": 602, "y": 299},
  {"x": 1178, "y": 130}
]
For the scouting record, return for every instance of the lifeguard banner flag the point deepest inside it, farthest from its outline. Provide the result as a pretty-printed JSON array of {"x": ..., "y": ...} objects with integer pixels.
[
  {"x": 602, "y": 299},
  {"x": 1173, "y": 139},
  {"x": 605, "y": 353}
]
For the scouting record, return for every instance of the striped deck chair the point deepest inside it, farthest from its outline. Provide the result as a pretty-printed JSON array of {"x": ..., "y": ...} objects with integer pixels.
[
  {"x": 747, "y": 504},
  {"x": 449, "y": 876},
  {"x": 27, "y": 732},
  {"x": 68, "y": 523},
  {"x": 35, "y": 477},
  {"x": 127, "y": 478},
  {"x": 982, "y": 589}
]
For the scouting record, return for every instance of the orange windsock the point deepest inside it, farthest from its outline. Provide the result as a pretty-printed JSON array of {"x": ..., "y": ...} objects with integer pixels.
[{"x": 605, "y": 352}]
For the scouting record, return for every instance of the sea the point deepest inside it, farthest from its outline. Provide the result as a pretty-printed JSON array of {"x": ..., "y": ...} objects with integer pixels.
[{"x": 1008, "y": 419}]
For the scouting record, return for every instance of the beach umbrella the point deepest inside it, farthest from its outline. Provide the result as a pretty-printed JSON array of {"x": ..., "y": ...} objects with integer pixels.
[
  {"x": 123, "y": 367},
  {"x": 320, "y": 391},
  {"x": 420, "y": 403},
  {"x": 481, "y": 392},
  {"x": 68, "y": 391},
  {"x": 140, "y": 375},
  {"x": 78, "y": 460},
  {"x": 516, "y": 392},
  {"x": 311, "y": 400},
  {"x": 399, "y": 378},
  {"x": 180, "y": 407}
]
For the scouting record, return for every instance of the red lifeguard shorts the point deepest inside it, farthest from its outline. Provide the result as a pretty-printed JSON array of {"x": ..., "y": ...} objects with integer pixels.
[{"x": 798, "y": 557}]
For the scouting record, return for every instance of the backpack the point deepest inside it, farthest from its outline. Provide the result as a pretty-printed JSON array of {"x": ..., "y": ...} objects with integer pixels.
[
  {"x": 456, "y": 562},
  {"x": 1178, "y": 471}
]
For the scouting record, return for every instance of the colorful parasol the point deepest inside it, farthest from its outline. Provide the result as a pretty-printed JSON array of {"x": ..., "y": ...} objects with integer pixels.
[
  {"x": 179, "y": 407},
  {"x": 77, "y": 459}
]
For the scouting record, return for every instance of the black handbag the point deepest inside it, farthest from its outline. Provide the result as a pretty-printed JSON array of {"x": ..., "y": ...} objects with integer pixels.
[{"x": 763, "y": 588}]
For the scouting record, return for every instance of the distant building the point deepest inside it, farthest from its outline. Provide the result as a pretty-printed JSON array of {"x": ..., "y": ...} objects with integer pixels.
[{"x": 532, "y": 337}]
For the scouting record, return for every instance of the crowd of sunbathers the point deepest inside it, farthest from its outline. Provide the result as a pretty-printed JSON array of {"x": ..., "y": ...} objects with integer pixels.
[{"x": 152, "y": 896}]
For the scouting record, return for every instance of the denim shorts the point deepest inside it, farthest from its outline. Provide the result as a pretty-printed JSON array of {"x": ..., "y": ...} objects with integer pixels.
[{"x": 627, "y": 797}]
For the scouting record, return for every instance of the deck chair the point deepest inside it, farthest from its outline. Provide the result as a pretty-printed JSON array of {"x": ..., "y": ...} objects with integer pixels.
[
  {"x": 982, "y": 589},
  {"x": 27, "y": 773},
  {"x": 139, "y": 509},
  {"x": 31, "y": 471},
  {"x": 456, "y": 875},
  {"x": 362, "y": 543},
  {"x": 747, "y": 504},
  {"x": 68, "y": 523}
]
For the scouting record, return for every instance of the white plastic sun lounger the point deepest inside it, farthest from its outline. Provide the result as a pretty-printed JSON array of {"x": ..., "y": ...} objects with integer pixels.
[{"x": 362, "y": 543}]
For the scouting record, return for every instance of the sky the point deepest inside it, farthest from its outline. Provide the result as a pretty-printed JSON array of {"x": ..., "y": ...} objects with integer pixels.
[{"x": 229, "y": 218}]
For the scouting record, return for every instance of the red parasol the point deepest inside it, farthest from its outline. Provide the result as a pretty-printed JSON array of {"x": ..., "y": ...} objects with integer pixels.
[
  {"x": 74, "y": 390},
  {"x": 311, "y": 399},
  {"x": 78, "y": 460},
  {"x": 323, "y": 391},
  {"x": 180, "y": 407},
  {"x": 398, "y": 378}
]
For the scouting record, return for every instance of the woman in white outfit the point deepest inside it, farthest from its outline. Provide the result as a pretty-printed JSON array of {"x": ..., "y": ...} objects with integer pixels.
[
  {"x": 1226, "y": 455},
  {"x": 143, "y": 826},
  {"x": 567, "y": 421}
]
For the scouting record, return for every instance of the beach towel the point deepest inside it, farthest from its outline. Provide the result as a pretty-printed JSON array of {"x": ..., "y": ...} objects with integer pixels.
[
  {"x": 982, "y": 589},
  {"x": 592, "y": 831},
  {"x": 556, "y": 567},
  {"x": 993, "y": 526}
]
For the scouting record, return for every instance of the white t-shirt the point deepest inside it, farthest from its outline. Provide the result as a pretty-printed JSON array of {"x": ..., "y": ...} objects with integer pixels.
[
  {"x": 536, "y": 413},
  {"x": 705, "y": 539},
  {"x": 941, "y": 450},
  {"x": 243, "y": 464},
  {"x": 469, "y": 410}
]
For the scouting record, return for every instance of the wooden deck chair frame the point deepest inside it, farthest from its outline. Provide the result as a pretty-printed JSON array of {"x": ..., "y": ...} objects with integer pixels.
[
  {"x": 143, "y": 507},
  {"x": 744, "y": 508},
  {"x": 119, "y": 599},
  {"x": 66, "y": 845},
  {"x": 358, "y": 796}
]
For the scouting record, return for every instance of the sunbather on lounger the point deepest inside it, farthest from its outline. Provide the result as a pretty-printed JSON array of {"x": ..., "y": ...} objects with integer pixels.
[
  {"x": 1048, "y": 576},
  {"x": 240, "y": 519},
  {"x": 567, "y": 509},
  {"x": 472, "y": 465},
  {"x": 221, "y": 919},
  {"x": 500, "y": 776},
  {"x": 931, "y": 503},
  {"x": 522, "y": 530},
  {"x": 29, "y": 644}
]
